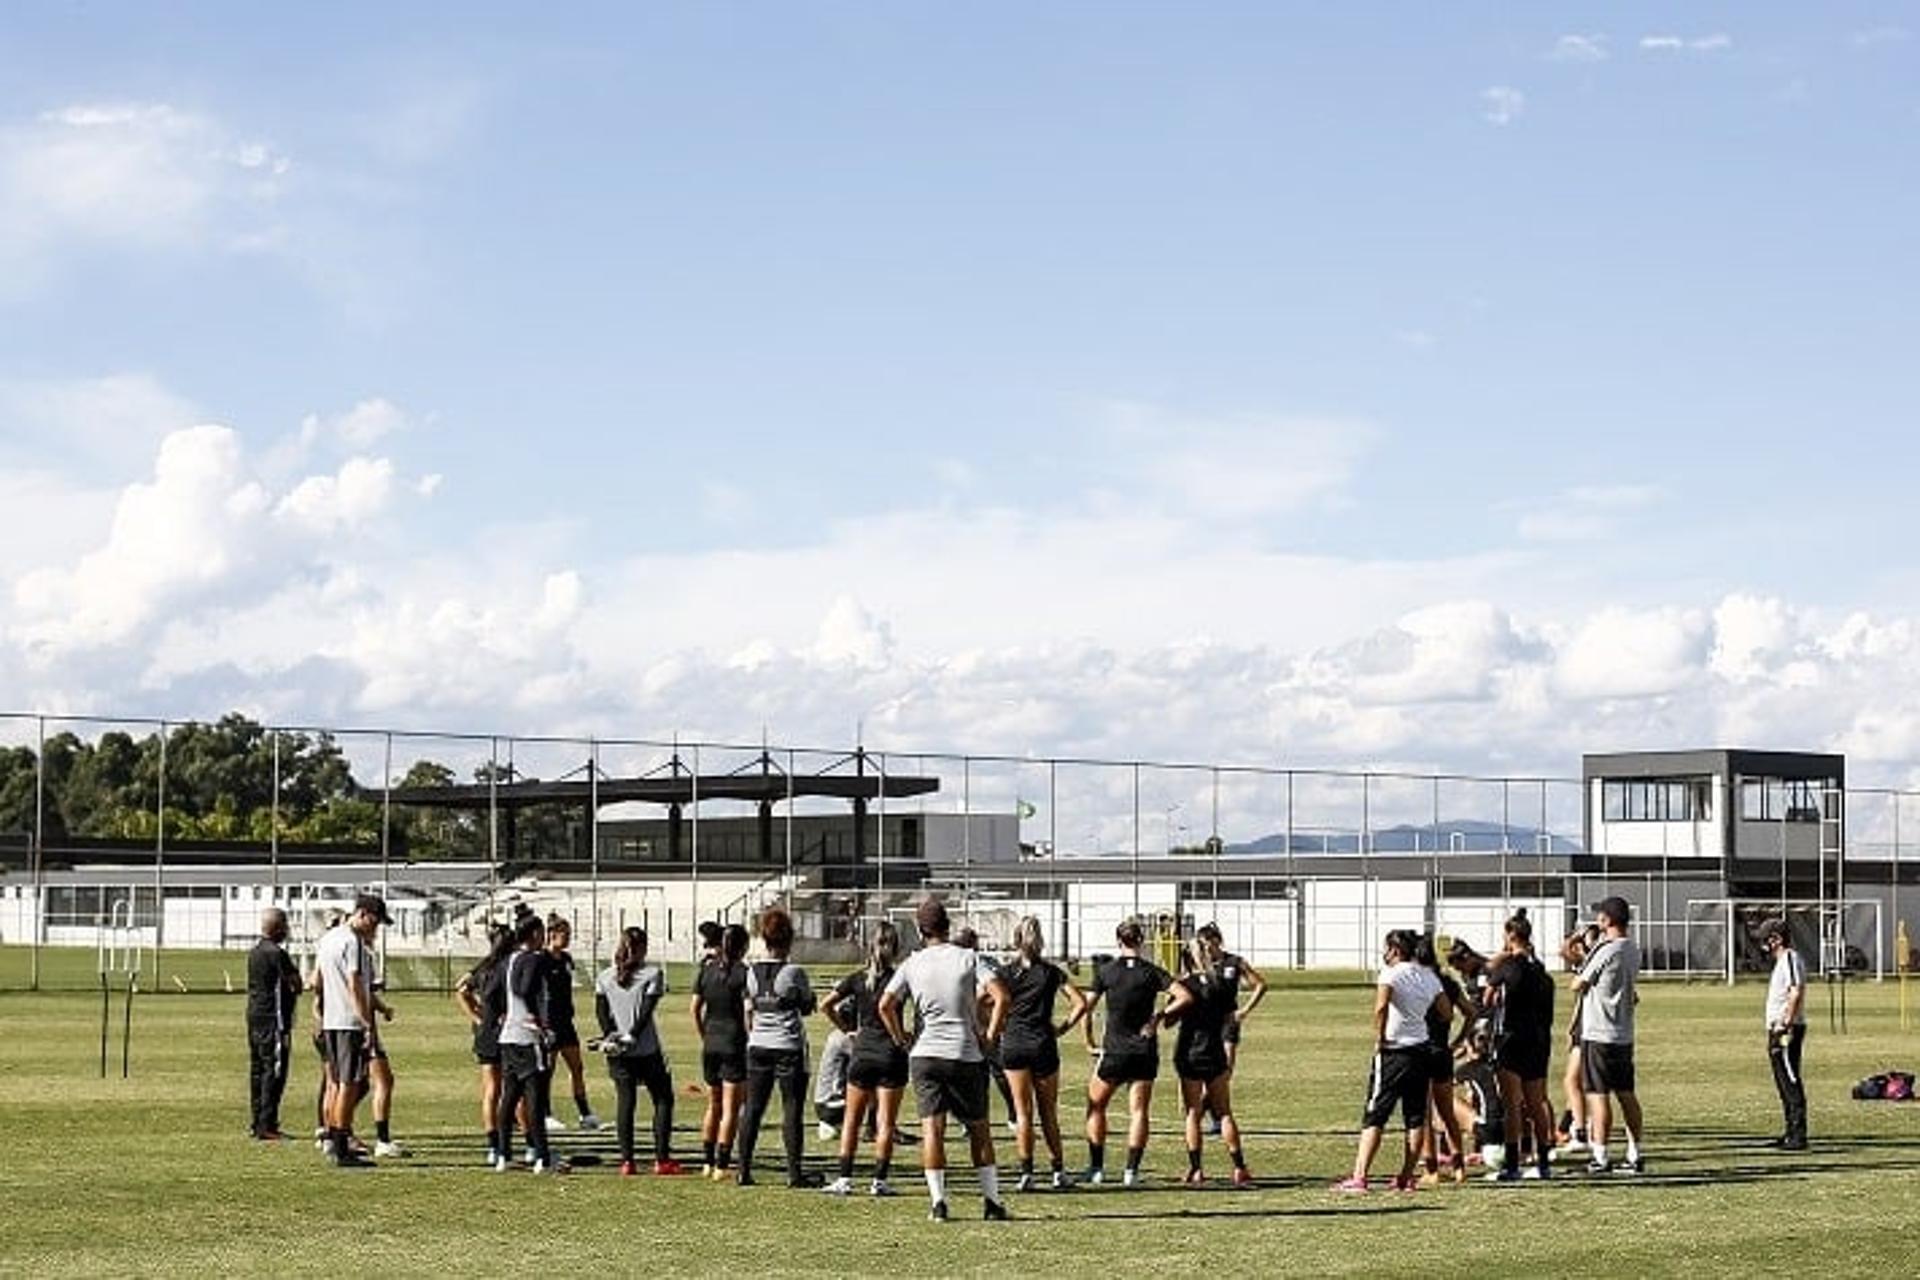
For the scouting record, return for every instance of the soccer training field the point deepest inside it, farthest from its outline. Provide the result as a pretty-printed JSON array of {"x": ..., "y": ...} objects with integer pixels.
[{"x": 155, "y": 1174}]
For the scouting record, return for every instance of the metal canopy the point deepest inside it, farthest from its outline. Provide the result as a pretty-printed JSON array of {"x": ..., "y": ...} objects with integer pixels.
[{"x": 754, "y": 788}]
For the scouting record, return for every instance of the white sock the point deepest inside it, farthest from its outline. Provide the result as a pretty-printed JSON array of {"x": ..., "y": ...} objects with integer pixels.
[
  {"x": 937, "y": 1185},
  {"x": 989, "y": 1182},
  {"x": 1633, "y": 1148},
  {"x": 1599, "y": 1153}
]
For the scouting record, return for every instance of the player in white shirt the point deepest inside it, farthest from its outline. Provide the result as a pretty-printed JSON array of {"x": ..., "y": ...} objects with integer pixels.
[
  {"x": 1787, "y": 1031},
  {"x": 1402, "y": 998},
  {"x": 344, "y": 994}
]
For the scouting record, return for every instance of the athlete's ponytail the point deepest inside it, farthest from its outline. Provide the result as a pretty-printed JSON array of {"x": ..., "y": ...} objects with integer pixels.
[
  {"x": 1130, "y": 934},
  {"x": 883, "y": 954},
  {"x": 1027, "y": 940}
]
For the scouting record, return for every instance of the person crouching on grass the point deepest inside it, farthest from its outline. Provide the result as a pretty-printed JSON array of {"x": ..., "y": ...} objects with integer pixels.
[
  {"x": 1403, "y": 996},
  {"x": 948, "y": 1069},
  {"x": 625, "y": 996}
]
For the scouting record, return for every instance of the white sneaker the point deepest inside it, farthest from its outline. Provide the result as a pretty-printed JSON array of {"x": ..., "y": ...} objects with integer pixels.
[
  {"x": 1131, "y": 1178},
  {"x": 839, "y": 1187},
  {"x": 556, "y": 1125},
  {"x": 825, "y": 1132},
  {"x": 881, "y": 1188},
  {"x": 1025, "y": 1183},
  {"x": 1532, "y": 1173},
  {"x": 500, "y": 1163},
  {"x": 1096, "y": 1177},
  {"x": 590, "y": 1121},
  {"x": 1062, "y": 1180},
  {"x": 1566, "y": 1150},
  {"x": 389, "y": 1151},
  {"x": 558, "y": 1166},
  {"x": 526, "y": 1157}
]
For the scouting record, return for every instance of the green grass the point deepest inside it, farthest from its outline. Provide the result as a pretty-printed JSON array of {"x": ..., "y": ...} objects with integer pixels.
[{"x": 154, "y": 1175}]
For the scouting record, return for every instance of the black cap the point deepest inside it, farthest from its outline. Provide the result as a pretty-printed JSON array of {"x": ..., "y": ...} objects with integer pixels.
[
  {"x": 1775, "y": 929},
  {"x": 374, "y": 905},
  {"x": 1614, "y": 909}
]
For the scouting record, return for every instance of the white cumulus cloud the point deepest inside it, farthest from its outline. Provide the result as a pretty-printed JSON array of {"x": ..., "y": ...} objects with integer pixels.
[
  {"x": 1579, "y": 48},
  {"x": 1502, "y": 104}
]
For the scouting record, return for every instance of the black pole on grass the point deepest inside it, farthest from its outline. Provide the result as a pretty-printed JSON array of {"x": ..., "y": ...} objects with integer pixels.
[
  {"x": 126, "y": 1029},
  {"x": 106, "y": 1016}
]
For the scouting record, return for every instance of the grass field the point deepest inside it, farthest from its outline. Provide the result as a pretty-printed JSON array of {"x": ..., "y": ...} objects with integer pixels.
[{"x": 154, "y": 1175}]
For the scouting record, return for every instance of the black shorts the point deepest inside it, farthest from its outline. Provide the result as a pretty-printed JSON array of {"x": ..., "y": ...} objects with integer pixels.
[
  {"x": 486, "y": 1048},
  {"x": 1041, "y": 1057},
  {"x": 566, "y": 1037},
  {"x": 1526, "y": 1058},
  {"x": 723, "y": 1066},
  {"x": 1439, "y": 1064},
  {"x": 1399, "y": 1076},
  {"x": 1231, "y": 1032},
  {"x": 1203, "y": 1067},
  {"x": 1126, "y": 1066},
  {"x": 525, "y": 1061},
  {"x": 865, "y": 1072},
  {"x": 346, "y": 1054},
  {"x": 1606, "y": 1068},
  {"x": 946, "y": 1087}
]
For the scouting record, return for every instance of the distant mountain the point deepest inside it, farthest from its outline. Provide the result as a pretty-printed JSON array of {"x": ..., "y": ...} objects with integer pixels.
[{"x": 1473, "y": 836}]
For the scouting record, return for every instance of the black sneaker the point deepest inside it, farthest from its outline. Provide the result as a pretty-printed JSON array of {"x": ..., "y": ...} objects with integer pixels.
[
  {"x": 995, "y": 1212},
  {"x": 939, "y": 1211},
  {"x": 1793, "y": 1144},
  {"x": 744, "y": 1178},
  {"x": 1599, "y": 1166},
  {"x": 806, "y": 1181},
  {"x": 1634, "y": 1167}
]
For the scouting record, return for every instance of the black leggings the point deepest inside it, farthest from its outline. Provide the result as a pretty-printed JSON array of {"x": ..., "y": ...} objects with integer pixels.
[
  {"x": 765, "y": 1069},
  {"x": 628, "y": 1075},
  {"x": 525, "y": 1073}
]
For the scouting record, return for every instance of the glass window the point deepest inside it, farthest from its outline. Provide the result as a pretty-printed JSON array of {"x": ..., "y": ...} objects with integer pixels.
[{"x": 1613, "y": 802}]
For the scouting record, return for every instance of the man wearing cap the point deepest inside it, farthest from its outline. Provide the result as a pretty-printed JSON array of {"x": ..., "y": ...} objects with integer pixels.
[
  {"x": 342, "y": 963},
  {"x": 273, "y": 988},
  {"x": 1604, "y": 1015},
  {"x": 1787, "y": 1031}
]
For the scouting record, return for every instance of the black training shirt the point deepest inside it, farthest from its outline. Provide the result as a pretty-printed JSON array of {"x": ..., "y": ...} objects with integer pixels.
[
  {"x": 1034, "y": 988},
  {"x": 722, "y": 988},
  {"x": 870, "y": 1038},
  {"x": 272, "y": 983},
  {"x": 1131, "y": 984}
]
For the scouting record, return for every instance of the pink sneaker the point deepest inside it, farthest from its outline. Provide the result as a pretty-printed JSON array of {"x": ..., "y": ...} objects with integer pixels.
[{"x": 1351, "y": 1186}]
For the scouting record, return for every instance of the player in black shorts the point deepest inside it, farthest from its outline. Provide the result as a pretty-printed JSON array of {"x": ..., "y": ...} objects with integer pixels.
[
  {"x": 1205, "y": 1004},
  {"x": 1522, "y": 997},
  {"x": 1029, "y": 1048},
  {"x": 1129, "y": 1053},
  {"x": 877, "y": 1071},
  {"x": 1443, "y": 1116},
  {"x": 720, "y": 1020},
  {"x": 566, "y": 1035},
  {"x": 483, "y": 997}
]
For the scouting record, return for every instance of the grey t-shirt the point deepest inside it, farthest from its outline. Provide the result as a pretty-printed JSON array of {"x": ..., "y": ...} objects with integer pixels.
[
  {"x": 830, "y": 1080},
  {"x": 1789, "y": 971},
  {"x": 779, "y": 998},
  {"x": 625, "y": 1004},
  {"x": 1606, "y": 1008},
  {"x": 943, "y": 981}
]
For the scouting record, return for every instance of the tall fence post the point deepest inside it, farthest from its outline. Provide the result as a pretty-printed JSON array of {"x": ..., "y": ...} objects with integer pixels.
[
  {"x": 160, "y": 857},
  {"x": 593, "y": 844},
  {"x": 39, "y": 919},
  {"x": 386, "y": 840},
  {"x": 1136, "y": 840}
]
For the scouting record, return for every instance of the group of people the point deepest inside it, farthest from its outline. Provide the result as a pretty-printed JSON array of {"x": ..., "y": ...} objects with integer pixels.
[{"x": 1485, "y": 1023}]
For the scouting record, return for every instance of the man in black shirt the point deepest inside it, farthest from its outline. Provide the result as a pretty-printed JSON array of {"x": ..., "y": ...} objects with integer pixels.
[{"x": 273, "y": 982}]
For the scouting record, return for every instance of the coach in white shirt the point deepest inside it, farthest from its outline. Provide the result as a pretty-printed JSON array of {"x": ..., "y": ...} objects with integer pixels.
[
  {"x": 1787, "y": 1031},
  {"x": 341, "y": 964}
]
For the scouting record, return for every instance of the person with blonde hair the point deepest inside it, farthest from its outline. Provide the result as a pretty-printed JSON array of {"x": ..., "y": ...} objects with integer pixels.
[
  {"x": 1200, "y": 1053},
  {"x": 1030, "y": 1050},
  {"x": 877, "y": 1069}
]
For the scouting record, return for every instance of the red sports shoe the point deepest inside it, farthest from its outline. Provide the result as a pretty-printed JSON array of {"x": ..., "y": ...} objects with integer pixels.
[
  {"x": 627, "y": 1169},
  {"x": 668, "y": 1168}
]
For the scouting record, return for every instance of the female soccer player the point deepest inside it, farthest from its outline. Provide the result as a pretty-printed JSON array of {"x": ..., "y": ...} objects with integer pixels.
[
  {"x": 1029, "y": 1047},
  {"x": 483, "y": 995},
  {"x": 1522, "y": 1044},
  {"x": 1402, "y": 997},
  {"x": 625, "y": 997},
  {"x": 877, "y": 1072},
  {"x": 779, "y": 998},
  {"x": 1573, "y": 1122},
  {"x": 526, "y": 1043},
  {"x": 566, "y": 1035},
  {"x": 720, "y": 1020},
  {"x": 1441, "y": 1043},
  {"x": 1206, "y": 1003},
  {"x": 1130, "y": 1051}
]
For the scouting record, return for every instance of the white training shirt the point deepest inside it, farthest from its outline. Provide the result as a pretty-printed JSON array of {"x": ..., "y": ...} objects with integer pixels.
[
  {"x": 1411, "y": 989},
  {"x": 943, "y": 981},
  {"x": 1789, "y": 971},
  {"x": 340, "y": 957}
]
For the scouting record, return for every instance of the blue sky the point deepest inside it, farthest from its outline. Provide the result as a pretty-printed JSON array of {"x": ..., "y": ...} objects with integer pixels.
[{"x": 970, "y": 334}]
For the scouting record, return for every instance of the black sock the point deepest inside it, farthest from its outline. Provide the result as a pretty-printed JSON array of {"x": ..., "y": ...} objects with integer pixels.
[
  {"x": 1134, "y": 1156},
  {"x": 1026, "y": 1166},
  {"x": 580, "y": 1102},
  {"x": 1059, "y": 1166},
  {"x": 1239, "y": 1157},
  {"x": 846, "y": 1166},
  {"x": 883, "y": 1169},
  {"x": 382, "y": 1131},
  {"x": 1096, "y": 1156},
  {"x": 706, "y": 1152},
  {"x": 726, "y": 1155},
  {"x": 1193, "y": 1159}
]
